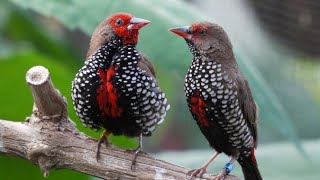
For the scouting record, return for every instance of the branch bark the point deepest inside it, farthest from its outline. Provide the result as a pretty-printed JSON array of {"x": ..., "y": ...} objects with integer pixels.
[{"x": 50, "y": 139}]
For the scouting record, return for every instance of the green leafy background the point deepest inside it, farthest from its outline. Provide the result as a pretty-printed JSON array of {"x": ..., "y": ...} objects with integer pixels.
[{"x": 54, "y": 34}]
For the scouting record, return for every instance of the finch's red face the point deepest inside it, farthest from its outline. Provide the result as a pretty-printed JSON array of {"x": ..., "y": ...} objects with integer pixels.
[
  {"x": 204, "y": 35},
  {"x": 194, "y": 32},
  {"x": 126, "y": 26}
]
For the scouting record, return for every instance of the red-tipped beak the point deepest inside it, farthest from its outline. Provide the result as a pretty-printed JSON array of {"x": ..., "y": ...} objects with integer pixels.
[
  {"x": 183, "y": 31},
  {"x": 137, "y": 23}
]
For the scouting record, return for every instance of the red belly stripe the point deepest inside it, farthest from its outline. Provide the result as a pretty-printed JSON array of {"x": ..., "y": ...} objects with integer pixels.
[
  {"x": 198, "y": 109},
  {"x": 107, "y": 95}
]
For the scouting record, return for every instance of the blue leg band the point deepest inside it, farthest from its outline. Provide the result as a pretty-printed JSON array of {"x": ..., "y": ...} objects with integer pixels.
[{"x": 228, "y": 168}]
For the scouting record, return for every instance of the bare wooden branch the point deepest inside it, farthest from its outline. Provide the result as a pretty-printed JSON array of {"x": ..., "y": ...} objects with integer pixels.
[
  {"x": 47, "y": 100},
  {"x": 50, "y": 140}
]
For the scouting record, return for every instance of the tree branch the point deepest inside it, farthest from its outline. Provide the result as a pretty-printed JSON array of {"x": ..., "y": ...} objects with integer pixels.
[{"x": 50, "y": 139}]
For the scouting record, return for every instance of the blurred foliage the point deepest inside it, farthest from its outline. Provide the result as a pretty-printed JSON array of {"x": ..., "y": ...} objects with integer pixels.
[
  {"x": 28, "y": 39},
  {"x": 175, "y": 60},
  {"x": 308, "y": 72},
  {"x": 16, "y": 168},
  {"x": 278, "y": 161},
  {"x": 277, "y": 66}
]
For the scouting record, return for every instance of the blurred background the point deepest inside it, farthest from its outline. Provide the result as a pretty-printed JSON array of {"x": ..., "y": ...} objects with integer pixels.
[{"x": 276, "y": 43}]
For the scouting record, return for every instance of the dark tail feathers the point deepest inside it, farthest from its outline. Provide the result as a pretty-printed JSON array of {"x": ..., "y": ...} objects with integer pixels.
[{"x": 249, "y": 167}]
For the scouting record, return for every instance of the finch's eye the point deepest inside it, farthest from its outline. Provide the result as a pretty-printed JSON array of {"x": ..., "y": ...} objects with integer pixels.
[
  {"x": 188, "y": 31},
  {"x": 119, "y": 22},
  {"x": 202, "y": 32}
]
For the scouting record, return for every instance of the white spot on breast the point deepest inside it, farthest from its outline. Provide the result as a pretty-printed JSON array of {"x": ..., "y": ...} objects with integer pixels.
[
  {"x": 152, "y": 101},
  {"x": 150, "y": 122},
  {"x": 147, "y": 107},
  {"x": 226, "y": 96},
  {"x": 232, "y": 97}
]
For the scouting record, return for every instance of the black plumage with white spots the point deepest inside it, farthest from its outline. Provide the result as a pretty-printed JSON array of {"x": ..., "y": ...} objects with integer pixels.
[
  {"x": 84, "y": 86},
  {"x": 116, "y": 89},
  {"x": 222, "y": 111},
  {"x": 142, "y": 102}
]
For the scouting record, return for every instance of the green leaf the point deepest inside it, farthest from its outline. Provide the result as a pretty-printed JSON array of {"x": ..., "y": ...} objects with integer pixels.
[{"x": 23, "y": 32}]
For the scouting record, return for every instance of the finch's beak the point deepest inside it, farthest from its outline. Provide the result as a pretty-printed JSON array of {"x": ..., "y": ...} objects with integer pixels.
[
  {"x": 137, "y": 23},
  {"x": 184, "y": 31}
]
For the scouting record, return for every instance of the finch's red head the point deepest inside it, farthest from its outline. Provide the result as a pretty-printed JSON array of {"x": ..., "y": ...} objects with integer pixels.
[
  {"x": 203, "y": 35},
  {"x": 126, "y": 26},
  {"x": 192, "y": 32},
  {"x": 122, "y": 25}
]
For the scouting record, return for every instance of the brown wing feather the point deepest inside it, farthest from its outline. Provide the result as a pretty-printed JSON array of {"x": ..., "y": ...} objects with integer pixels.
[
  {"x": 101, "y": 35},
  {"x": 146, "y": 65},
  {"x": 248, "y": 105}
]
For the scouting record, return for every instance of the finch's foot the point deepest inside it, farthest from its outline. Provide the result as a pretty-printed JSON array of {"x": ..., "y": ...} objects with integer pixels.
[
  {"x": 103, "y": 139},
  {"x": 136, "y": 152},
  {"x": 196, "y": 173}
]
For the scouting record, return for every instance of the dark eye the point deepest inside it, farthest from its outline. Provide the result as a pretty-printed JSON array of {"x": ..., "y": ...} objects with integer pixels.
[
  {"x": 188, "y": 31},
  {"x": 119, "y": 22},
  {"x": 202, "y": 32}
]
